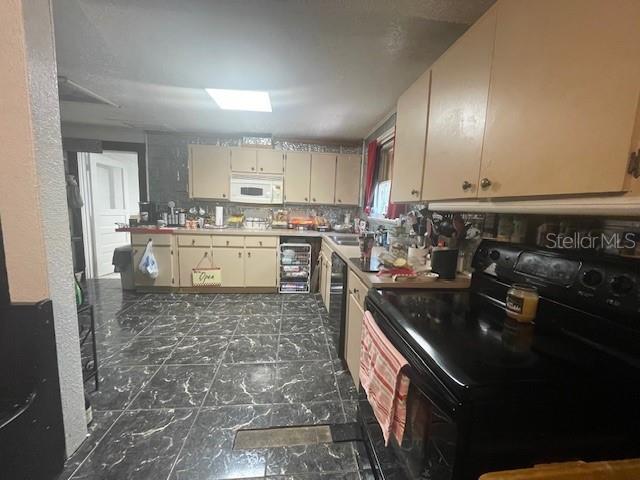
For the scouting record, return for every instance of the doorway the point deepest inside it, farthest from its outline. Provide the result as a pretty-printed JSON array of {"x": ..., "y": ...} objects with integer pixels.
[{"x": 109, "y": 184}]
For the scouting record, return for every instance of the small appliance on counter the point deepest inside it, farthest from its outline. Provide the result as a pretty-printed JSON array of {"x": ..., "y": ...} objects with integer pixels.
[
  {"x": 301, "y": 223},
  {"x": 280, "y": 219},
  {"x": 148, "y": 213},
  {"x": 321, "y": 224},
  {"x": 444, "y": 262}
]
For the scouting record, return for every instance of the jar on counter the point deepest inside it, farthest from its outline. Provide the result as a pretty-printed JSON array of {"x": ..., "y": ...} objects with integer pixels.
[{"x": 522, "y": 302}]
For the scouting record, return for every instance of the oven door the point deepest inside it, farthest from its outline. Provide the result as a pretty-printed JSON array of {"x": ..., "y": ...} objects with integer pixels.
[{"x": 431, "y": 437}]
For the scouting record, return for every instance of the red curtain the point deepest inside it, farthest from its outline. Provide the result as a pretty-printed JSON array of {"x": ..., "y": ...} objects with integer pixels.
[
  {"x": 395, "y": 209},
  {"x": 372, "y": 160}
]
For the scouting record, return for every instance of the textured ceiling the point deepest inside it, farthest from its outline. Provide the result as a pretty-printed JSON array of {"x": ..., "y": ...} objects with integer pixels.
[{"x": 333, "y": 68}]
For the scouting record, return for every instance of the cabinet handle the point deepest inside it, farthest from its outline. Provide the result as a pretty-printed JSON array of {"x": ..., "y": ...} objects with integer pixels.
[
  {"x": 260, "y": 242},
  {"x": 466, "y": 185},
  {"x": 414, "y": 192},
  {"x": 306, "y": 199},
  {"x": 339, "y": 201},
  {"x": 253, "y": 168},
  {"x": 224, "y": 195},
  {"x": 485, "y": 183},
  {"x": 249, "y": 254},
  {"x": 193, "y": 241},
  {"x": 261, "y": 169},
  {"x": 227, "y": 243},
  {"x": 239, "y": 254},
  {"x": 206, "y": 253},
  {"x": 313, "y": 199}
]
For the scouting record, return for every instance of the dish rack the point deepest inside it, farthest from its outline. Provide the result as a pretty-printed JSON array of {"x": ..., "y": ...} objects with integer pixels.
[{"x": 295, "y": 267}]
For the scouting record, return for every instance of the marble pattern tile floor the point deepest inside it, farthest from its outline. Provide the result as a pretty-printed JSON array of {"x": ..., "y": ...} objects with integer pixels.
[{"x": 182, "y": 373}]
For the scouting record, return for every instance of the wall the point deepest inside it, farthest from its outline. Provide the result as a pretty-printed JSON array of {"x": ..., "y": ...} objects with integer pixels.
[
  {"x": 33, "y": 205},
  {"x": 167, "y": 167},
  {"x": 104, "y": 133}
]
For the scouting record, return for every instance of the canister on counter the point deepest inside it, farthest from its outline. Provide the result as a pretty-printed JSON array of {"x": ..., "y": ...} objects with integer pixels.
[{"x": 522, "y": 302}]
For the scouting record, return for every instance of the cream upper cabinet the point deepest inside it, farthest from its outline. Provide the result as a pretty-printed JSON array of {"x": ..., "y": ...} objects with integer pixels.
[
  {"x": 297, "y": 177},
  {"x": 411, "y": 135},
  {"x": 270, "y": 161},
  {"x": 209, "y": 167},
  {"x": 348, "y": 179},
  {"x": 323, "y": 178},
  {"x": 244, "y": 160},
  {"x": 564, "y": 90},
  {"x": 260, "y": 267},
  {"x": 457, "y": 112},
  {"x": 231, "y": 263}
]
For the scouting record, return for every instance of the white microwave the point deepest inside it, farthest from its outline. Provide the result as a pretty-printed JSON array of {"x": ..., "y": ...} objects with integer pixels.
[{"x": 256, "y": 188}]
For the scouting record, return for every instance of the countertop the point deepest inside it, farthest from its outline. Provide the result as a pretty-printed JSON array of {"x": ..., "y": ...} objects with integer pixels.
[
  {"x": 372, "y": 280},
  {"x": 272, "y": 232}
]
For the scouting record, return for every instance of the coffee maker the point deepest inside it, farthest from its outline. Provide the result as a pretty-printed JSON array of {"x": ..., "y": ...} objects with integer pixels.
[{"x": 148, "y": 213}]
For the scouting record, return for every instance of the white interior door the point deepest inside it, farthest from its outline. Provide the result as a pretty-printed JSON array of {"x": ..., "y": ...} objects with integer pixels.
[{"x": 113, "y": 198}]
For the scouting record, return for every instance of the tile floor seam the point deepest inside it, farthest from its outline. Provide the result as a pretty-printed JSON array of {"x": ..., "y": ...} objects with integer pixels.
[
  {"x": 127, "y": 408},
  {"x": 204, "y": 398}
]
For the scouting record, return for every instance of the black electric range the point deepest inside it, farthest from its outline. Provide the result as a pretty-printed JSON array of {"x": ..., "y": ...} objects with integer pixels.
[{"x": 488, "y": 393}]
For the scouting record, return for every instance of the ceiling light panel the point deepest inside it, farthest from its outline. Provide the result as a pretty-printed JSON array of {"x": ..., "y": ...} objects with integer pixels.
[{"x": 246, "y": 100}]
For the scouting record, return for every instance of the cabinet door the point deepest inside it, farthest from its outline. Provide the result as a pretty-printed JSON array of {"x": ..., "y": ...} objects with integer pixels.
[
  {"x": 271, "y": 161},
  {"x": 323, "y": 178},
  {"x": 164, "y": 258},
  {"x": 457, "y": 113},
  {"x": 411, "y": 136},
  {"x": 564, "y": 89},
  {"x": 209, "y": 167},
  {"x": 297, "y": 177},
  {"x": 327, "y": 283},
  {"x": 190, "y": 258},
  {"x": 348, "y": 179},
  {"x": 353, "y": 335},
  {"x": 260, "y": 267},
  {"x": 244, "y": 160},
  {"x": 231, "y": 263}
]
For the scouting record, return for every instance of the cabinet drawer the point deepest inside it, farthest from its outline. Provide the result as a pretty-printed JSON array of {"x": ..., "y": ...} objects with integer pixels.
[
  {"x": 357, "y": 288},
  {"x": 194, "y": 240},
  {"x": 258, "y": 242},
  {"x": 228, "y": 241},
  {"x": 157, "y": 239}
]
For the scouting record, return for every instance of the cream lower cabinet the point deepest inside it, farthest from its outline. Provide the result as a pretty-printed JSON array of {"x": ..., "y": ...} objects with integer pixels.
[
  {"x": 164, "y": 259},
  {"x": 260, "y": 267},
  {"x": 190, "y": 258},
  {"x": 231, "y": 262},
  {"x": 353, "y": 335}
]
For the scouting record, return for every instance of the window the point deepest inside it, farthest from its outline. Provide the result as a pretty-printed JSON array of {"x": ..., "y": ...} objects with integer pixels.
[{"x": 382, "y": 189}]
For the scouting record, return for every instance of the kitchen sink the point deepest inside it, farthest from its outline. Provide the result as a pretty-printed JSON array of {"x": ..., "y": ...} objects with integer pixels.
[{"x": 346, "y": 241}]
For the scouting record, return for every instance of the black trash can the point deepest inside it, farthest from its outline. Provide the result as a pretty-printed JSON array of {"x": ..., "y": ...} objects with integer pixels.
[{"x": 123, "y": 264}]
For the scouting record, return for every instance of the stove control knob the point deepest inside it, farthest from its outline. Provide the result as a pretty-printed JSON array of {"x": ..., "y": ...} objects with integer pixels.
[
  {"x": 592, "y": 278},
  {"x": 494, "y": 255},
  {"x": 622, "y": 285}
]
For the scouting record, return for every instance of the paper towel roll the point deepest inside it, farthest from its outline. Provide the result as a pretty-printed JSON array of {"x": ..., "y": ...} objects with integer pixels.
[{"x": 219, "y": 216}]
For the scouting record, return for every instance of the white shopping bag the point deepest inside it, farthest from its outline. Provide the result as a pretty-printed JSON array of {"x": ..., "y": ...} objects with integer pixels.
[{"x": 148, "y": 264}]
